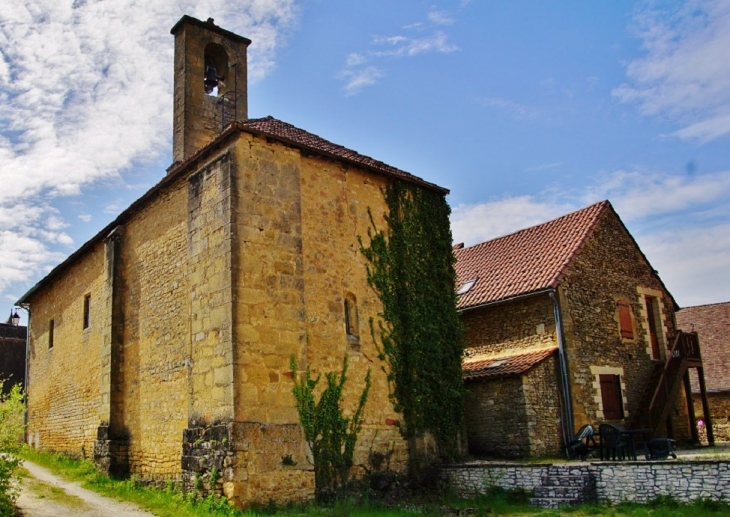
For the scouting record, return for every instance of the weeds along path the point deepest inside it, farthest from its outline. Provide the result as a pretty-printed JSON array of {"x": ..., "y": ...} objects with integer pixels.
[{"x": 46, "y": 495}]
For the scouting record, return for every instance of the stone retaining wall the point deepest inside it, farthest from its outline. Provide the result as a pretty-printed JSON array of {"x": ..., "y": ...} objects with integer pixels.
[{"x": 638, "y": 482}]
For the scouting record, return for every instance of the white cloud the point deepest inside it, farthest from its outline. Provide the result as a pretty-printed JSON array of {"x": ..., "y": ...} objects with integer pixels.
[
  {"x": 85, "y": 95},
  {"x": 685, "y": 73},
  {"x": 476, "y": 223},
  {"x": 440, "y": 18},
  {"x": 641, "y": 194},
  {"x": 680, "y": 223},
  {"x": 438, "y": 42},
  {"x": 359, "y": 78},
  {"x": 85, "y": 217},
  {"x": 357, "y": 73}
]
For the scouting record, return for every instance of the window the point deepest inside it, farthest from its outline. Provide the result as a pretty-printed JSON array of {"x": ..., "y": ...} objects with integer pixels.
[
  {"x": 352, "y": 327},
  {"x": 625, "y": 321},
  {"x": 51, "y": 327},
  {"x": 466, "y": 287},
  {"x": 613, "y": 407},
  {"x": 87, "y": 311}
]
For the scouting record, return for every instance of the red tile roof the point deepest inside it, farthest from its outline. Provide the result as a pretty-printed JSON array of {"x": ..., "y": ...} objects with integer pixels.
[
  {"x": 712, "y": 324},
  {"x": 505, "y": 365},
  {"x": 303, "y": 139},
  {"x": 526, "y": 261}
]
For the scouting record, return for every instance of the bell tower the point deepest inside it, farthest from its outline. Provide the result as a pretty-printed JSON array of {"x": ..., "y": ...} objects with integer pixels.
[{"x": 210, "y": 84}]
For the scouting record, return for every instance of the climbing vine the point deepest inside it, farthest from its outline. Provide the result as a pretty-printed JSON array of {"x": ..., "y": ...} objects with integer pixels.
[
  {"x": 411, "y": 267},
  {"x": 330, "y": 435}
]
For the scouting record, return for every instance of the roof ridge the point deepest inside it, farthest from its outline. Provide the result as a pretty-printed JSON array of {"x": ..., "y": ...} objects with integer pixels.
[
  {"x": 601, "y": 206},
  {"x": 537, "y": 225},
  {"x": 703, "y": 305}
]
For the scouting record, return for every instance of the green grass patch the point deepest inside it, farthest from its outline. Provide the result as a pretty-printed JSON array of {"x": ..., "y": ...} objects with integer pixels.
[{"x": 170, "y": 502}]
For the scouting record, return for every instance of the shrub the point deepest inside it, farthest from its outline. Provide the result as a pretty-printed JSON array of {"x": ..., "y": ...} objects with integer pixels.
[{"x": 11, "y": 436}]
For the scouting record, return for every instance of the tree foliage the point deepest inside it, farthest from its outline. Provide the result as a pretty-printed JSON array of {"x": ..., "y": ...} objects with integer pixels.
[
  {"x": 411, "y": 267},
  {"x": 11, "y": 436},
  {"x": 330, "y": 435}
]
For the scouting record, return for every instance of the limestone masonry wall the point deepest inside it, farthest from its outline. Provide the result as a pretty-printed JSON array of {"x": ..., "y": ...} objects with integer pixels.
[
  {"x": 64, "y": 381},
  {"x": 155, "y": 356},
  {"x": 520, "y": 325},
  {"x": 638, "y": 482}
]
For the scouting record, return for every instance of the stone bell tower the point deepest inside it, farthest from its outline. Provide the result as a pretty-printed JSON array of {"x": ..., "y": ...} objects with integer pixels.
[{"x": 210, "y": 85}]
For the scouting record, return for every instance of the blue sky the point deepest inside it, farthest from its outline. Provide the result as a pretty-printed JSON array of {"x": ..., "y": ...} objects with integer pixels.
[{"x": 524, "y": 109}]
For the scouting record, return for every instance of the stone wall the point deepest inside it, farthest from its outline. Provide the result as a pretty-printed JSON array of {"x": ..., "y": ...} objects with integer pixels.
[
  {"x": 156, "y": 297},
  {"x": 611, "y": 268},
  {"x": 64, "y": 381},
  {"x": 639, "y": 482},
  {"x": 519, "y": 325},
  {"x": 515, "y": 417}
]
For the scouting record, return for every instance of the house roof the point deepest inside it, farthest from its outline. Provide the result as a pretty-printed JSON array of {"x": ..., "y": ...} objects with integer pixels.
[
  {"x": 527, "y": 261},
  {"x": 505, "y": 365},
  {"x": 268, "y": 127},
  {"x": 712, "y": 324}
]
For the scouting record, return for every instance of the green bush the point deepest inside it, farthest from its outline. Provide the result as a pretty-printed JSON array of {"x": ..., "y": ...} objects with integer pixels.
[
  {"x": 11, "y": 438},
  {"x": 330, "y": 435}
]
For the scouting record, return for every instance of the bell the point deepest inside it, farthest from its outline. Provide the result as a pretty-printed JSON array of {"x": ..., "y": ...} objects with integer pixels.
[{"x": 211, "y": 79}]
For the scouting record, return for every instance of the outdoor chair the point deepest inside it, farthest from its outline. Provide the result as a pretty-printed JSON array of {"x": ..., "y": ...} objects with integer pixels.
[
  {"x": 583, "y": 445},
  {"x": 659, "y": 449},
  {"x": 615, "y": 443}
]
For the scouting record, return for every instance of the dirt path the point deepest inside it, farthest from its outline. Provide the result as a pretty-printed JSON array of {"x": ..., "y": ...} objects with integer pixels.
[{"x": 46, "y": 495}]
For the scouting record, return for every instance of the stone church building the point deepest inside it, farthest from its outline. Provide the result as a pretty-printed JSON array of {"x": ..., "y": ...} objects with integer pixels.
[{"x": 162, "y": 346}]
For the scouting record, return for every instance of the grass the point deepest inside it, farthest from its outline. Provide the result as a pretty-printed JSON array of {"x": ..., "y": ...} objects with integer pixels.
[{"x": 171, "y": 502}]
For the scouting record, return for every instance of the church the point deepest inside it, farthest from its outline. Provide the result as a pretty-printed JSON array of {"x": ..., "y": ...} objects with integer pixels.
[{"x": 162, "y": 346}]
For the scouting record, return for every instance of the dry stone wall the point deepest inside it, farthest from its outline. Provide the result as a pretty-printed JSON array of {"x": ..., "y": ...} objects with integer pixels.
[{"x": 639, "y": 482}]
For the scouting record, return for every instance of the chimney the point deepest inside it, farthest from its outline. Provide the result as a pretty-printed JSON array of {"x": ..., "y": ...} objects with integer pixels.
[{"x": 210, "y": 85}]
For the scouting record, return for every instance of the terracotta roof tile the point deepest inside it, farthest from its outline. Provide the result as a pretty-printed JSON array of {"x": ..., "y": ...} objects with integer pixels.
[
  {"x": 292, "y": 134},
  {"x": 505, "y": 365},
  {"x": 526, "y": 261},
  {"x": 712, "y": 324}
]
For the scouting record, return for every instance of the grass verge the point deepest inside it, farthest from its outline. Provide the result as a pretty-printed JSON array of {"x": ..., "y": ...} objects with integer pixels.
[{"x": 170, "y": 502}]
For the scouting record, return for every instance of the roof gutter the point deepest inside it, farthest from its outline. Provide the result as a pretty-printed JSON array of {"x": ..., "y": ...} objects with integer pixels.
[
  {"x": 566, "y": 418},
  {"x": 26, "y": 308}
]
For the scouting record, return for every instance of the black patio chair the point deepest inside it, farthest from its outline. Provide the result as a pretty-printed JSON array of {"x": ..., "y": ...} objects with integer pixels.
[
  {"x": 615, "y": 444},
  {"x": 659, "y": 449},
  {"x": 583, "y": 445}
]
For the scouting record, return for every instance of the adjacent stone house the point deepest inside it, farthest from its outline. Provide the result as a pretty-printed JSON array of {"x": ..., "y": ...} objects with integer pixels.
[
  {"x": 162, "y": 346},
  {"x": 712, "y": 324},
  {"x": 566, "y": 324},
  {"x": 12, "y": 354}
]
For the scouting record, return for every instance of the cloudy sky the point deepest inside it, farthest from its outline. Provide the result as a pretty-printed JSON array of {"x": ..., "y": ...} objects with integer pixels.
[{"x": 524, "y": 109}]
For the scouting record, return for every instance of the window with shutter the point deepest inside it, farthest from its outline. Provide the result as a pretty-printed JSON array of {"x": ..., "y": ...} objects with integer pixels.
[
  {"x": 624, "y": 317},
  {"x": 613, "y": 407}
]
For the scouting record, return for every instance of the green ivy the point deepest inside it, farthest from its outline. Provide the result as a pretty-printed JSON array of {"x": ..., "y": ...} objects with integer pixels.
[
  {"x": 330, "y": 435},
  {"x": 411, "y": 267}
]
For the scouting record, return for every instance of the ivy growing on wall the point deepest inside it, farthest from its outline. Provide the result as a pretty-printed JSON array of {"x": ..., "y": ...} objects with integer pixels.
[
  {"x": 330, "y": 435},
  {"x": 411, "y": 267}
]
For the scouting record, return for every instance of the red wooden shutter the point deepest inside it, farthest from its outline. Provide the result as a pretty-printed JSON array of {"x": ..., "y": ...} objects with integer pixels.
[
  {"x": 624, "y": 316},
  {"x": 613, "y": 407}
]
